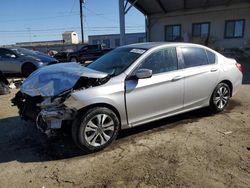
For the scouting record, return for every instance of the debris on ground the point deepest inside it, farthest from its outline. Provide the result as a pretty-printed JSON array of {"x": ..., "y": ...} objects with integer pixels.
[
  {"x": 226, "y": 133},
  {"x": 4, "y": 85}
]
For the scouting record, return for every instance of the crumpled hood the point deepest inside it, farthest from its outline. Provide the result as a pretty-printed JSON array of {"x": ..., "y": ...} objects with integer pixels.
[{"x": 54, "y": 79}]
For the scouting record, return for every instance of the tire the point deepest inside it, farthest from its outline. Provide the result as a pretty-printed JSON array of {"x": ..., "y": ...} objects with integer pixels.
[
  {"x": 220, "y": 98},
  {"x": 27, "y": 69},
  {"x": 73, "y": 59},
  {"x": 95, "y": 129}
]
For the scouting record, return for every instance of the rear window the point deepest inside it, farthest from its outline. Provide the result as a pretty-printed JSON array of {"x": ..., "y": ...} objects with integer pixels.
[
  {"x": 194, "y": 56},
  {"x": 210, "y": 57}
]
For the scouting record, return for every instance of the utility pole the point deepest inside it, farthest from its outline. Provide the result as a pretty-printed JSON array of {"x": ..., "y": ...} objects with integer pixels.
[
  {"x": 29, "y": 31},
  {"x": 81, "y": 18}
]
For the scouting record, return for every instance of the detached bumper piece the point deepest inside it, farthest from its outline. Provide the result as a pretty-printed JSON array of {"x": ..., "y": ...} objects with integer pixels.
[{"x": 51, "y": 119}]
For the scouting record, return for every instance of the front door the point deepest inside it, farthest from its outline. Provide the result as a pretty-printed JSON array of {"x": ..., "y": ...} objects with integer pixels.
[
  {"x": 153, "y": 98},
  {"x": 8, "y": 61}
]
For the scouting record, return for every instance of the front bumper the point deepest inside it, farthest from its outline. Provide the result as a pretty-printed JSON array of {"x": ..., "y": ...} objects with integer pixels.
[{"x": 41, "y": 111}]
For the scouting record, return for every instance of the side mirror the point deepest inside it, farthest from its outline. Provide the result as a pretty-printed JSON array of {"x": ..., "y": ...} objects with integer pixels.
[
  {"x": 13, "y": 56},
  {"x": 143, "y": 73}
]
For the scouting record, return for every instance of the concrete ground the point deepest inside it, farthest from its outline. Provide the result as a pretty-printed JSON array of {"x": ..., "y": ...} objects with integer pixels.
[{"x": 196, "y": 149}]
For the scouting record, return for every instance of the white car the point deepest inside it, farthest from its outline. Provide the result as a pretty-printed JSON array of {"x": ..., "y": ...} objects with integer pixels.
[{"x": 127, "y": 87}]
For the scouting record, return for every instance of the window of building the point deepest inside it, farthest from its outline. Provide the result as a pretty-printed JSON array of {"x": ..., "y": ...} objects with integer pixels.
[
  {"x": 141, "y": 39},
  {"x": 164, "y": 60},
  {"x": 173, "y": 32},
  {"x": 106, "y": 42},
  {"x": 194, "y": 56},
  {"x": 234, "y": 28},
  {"x": 201, "y": 29},
  {"x": 96, "y": 42},
  {"x": 117, "y": 42}
]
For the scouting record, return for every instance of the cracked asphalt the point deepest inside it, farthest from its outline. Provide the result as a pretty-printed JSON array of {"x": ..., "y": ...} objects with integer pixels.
[{"x": 196, "y": 149}]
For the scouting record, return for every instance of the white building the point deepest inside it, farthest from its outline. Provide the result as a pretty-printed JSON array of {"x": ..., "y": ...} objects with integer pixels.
[
  {"x": 70, "y": 37},
  {"x": 113, "y": 40},
  {"x": 217, "y": 23}
]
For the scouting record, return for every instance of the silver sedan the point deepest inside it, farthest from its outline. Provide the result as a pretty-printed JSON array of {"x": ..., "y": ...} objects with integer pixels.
[
  {"x": 24, "y": 61},
  {"x": 130, "y": 86}
]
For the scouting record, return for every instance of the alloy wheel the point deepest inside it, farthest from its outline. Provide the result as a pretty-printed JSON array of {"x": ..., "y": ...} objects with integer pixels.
[
  {"x": 99, "y": 130},
  {"x": 221, "y": 97}
]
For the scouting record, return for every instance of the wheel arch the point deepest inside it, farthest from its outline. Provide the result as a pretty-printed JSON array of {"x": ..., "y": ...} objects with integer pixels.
[
  {"x": 229, "y": 83},
  {"x": 109, "y": 106},
  {"x": 73, "y": 56},
  {"x": 27, "y": 63}
]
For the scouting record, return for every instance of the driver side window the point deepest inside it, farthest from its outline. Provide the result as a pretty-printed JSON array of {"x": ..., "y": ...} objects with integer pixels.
[
  {"x": 6, "y": 53},
  {"x": 164, "y": 60}
]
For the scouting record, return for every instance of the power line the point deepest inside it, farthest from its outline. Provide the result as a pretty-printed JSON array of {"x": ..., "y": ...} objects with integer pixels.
[
  {"x": 100, "y": 15},
  {"x": 72, "y": 7},
  {"x": 68, "y": 28},
  {"x": 41, "y": 18}
]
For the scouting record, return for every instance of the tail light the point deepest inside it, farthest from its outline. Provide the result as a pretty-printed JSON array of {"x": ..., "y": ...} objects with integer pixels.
[{"x": 239, "y": 66}]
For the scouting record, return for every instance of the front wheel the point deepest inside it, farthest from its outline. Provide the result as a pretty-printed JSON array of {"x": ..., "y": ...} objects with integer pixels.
[
  {"x": 95, "y": 129},
  {"x": 73, "y": 59},
  {"x": 220, "y": 98},
  {"x": 27, "y": 69}
]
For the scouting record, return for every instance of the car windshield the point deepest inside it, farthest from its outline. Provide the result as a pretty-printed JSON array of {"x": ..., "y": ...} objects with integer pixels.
[
  {"x": 117, "y": 61},
  {"x": 23, "y": 51}
]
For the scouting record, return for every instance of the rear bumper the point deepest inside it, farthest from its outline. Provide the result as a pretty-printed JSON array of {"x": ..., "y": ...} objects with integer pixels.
[{"x": 237, "y": 84}]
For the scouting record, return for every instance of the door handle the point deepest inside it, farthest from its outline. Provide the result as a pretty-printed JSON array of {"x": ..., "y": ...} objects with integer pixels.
[
  {"x": 213, "y": 70},
  {"x": 176, "y": 78}
]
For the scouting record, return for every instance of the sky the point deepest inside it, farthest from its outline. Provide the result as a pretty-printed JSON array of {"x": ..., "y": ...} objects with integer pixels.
[{"x": 41, "y": 20}]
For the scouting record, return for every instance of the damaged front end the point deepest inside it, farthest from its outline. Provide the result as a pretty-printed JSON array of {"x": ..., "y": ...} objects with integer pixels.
[{"x": 42, "y": 95}]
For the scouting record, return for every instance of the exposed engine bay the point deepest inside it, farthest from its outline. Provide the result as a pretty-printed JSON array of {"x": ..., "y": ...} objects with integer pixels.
[{"x": 42, "y": 95}]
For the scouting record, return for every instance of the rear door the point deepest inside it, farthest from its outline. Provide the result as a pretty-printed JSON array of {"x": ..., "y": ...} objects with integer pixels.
[
  {"x": 200, "y": 72},
  {"x": 153, "y": 98}
]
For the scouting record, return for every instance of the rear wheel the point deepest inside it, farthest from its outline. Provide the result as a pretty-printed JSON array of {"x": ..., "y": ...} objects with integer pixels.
[
  {"x": 220, "y": 98},
  {"x": 95, "y": 129},
  {"x": 27, "y": 69}
]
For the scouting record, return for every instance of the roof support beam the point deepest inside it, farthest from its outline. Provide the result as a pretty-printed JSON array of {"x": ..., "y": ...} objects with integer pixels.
[
  {"x": 206, "y": 3},
  {"x": 132, "y": 4},
  {"x": 184, "y": 4},
  {"x": 139, "y": 7},
  {"x": 228, "y": 2},
  {"x": 162, "y": 6},
  {"x": 122, "y": 22}
]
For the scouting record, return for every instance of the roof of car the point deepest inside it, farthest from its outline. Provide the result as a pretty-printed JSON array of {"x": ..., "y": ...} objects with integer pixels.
[{"x": 149, "y": 45}]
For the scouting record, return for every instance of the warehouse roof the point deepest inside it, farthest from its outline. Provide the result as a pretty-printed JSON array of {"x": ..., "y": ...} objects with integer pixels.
[{"x": 150, "y": 7}]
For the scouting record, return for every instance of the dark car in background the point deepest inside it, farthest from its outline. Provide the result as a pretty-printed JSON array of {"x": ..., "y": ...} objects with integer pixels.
[
  {"x": 62, "y": 56},
  {"x": 24, "y": 61},
  {"x": 88, "y": 53}
]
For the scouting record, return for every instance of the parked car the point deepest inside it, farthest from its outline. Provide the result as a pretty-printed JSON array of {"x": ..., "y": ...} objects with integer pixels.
[
  {"x": 130, "y": 86},
  {"x": 24, "y": 61},
  {"x": 87, "y": 53},
  {"x": 236, "y": 53},
  {"x": 62, "y": 56}
]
